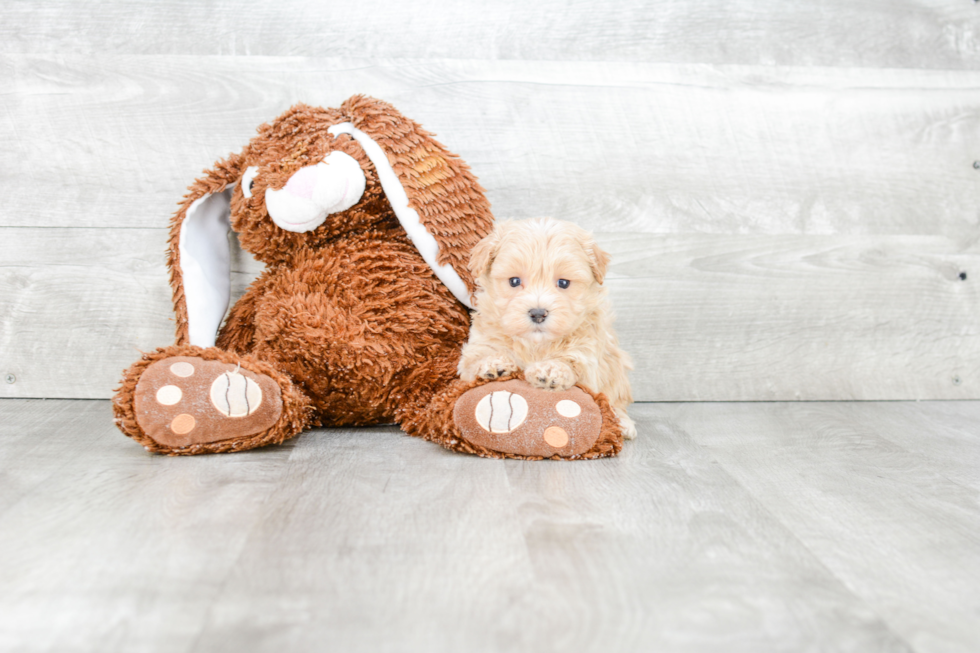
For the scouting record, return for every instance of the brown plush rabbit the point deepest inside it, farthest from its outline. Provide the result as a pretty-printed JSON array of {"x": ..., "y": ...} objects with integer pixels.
[{"x": 365, "y": 224}]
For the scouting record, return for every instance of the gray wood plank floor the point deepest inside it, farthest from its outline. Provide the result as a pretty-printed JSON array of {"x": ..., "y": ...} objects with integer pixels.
[{"x": 724, "y": 527}]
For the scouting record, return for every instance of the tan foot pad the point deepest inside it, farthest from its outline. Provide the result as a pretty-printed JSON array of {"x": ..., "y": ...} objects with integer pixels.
[
  {"x": 184, "y": 400},
  {"x": 514, "y": 417}
]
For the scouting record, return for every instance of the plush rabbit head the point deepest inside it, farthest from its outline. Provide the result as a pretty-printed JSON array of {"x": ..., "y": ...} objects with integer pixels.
[{"x": 310, "y": 176}]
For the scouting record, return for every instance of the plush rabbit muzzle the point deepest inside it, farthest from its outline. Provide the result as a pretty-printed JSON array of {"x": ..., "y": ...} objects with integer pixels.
[{"x": 314, "y": 192}]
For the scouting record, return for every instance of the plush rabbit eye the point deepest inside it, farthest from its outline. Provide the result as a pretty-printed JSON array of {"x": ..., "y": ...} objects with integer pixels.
[
  {"x": 248, "y": 179},
  {"x": 564, "y": 283},
  {"x": 515, "y": 282}
]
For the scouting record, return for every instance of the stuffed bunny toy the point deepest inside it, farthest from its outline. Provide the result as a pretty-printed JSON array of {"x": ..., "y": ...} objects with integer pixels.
[{"x": 365, "y": 224}]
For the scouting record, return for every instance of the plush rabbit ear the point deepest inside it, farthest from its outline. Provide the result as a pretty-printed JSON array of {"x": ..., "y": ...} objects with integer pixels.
[
  {"x": 199, "y": 256},
  {"x": 432, "y": 191}
]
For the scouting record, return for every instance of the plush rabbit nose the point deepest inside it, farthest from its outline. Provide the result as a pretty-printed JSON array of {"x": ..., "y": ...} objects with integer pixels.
[
  {"x": 314, "y": 192},
  {"x": 303, "y": 182}
]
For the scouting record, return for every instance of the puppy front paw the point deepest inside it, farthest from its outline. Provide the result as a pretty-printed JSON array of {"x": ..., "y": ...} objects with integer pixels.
[
  {"x": 495, "y": 367},
  {"x": 550, "y": 375},
  {"x": 627, "y": 426}
]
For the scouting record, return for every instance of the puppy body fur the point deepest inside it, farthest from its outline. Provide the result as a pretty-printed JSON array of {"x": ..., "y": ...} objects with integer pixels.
[{"x": 575, "y": 342}]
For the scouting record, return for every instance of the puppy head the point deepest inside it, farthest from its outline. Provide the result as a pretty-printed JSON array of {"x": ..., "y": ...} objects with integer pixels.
[{"x": 540, "y": 279}]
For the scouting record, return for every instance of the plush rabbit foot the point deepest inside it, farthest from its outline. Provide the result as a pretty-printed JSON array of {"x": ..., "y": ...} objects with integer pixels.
[
  {"x": 512, "y": 417},
  {"x": 185, "y": 400},
  {"x": 216, "y": 401}
]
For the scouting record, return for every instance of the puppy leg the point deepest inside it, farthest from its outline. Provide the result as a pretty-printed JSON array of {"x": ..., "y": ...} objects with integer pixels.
[
  {"x": 626, "y": 423},
  {"x": 550, "y": 374}
]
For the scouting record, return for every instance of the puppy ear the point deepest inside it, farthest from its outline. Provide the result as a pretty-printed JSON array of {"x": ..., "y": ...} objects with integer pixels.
[
  {"x": 598, "y": 258},
  {"x": 198, "y": 254},
  {"x": 431, "y": 190},
  {"x": 482, "y": 255}
]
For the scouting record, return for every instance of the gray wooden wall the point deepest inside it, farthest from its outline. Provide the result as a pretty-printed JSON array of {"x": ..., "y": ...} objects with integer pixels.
[{"x": 788, "y": 189}]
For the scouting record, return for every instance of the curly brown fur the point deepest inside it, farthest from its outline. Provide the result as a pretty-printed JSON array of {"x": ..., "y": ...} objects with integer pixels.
[
  {"x": 351, "y": 324},
  {"x": 439, "y": 184}
]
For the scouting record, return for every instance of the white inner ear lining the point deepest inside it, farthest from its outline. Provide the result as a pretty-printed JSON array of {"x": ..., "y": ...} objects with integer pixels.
[
  {"x": 205, "y": 265},
  {"x": 407, "y": 216}
]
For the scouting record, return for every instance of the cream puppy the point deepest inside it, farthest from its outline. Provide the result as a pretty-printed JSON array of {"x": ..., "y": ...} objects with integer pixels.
[{"x": 541, "y": 308}]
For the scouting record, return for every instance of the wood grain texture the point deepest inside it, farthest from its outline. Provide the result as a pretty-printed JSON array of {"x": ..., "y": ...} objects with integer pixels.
[
  {"x": 705, "y": 317},
  {"x": 737, "y": 527},
  {"x": 866, "y": 33},
  {"x": 855, "y": 491},
  {"x": 134, "y": 539},
  {"x": 951, "y": 449},
  {"x": 789, "y": 206},
  {"x": 537, "y": 558},
  {"x": 114, "y": 140},
  {"x": 797, "y": 317}
]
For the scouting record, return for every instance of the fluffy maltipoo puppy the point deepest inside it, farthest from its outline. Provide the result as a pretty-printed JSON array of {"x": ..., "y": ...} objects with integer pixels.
[{"x": 541, "y": 308}]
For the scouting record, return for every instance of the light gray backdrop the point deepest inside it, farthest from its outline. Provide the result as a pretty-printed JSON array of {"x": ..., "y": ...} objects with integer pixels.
[{"x": 788, "y": 189}]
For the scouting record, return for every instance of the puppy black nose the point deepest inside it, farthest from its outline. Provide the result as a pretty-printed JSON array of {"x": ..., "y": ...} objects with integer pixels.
[{"x": 538, "y": 315}]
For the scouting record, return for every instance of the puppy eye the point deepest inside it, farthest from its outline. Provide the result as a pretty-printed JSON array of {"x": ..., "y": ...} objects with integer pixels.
[
  {"x": 515, "y": 282},
  {"x": 248, "y": 180},
  {"x": 564, "y": 283}
]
